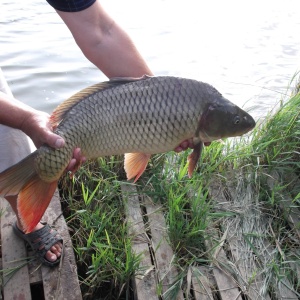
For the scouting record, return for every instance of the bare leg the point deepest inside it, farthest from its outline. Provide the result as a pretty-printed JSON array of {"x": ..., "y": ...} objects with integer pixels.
[{"x": 14, "y": 145}]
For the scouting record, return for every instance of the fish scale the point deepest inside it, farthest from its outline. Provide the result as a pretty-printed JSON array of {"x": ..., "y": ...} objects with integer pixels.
[{"x": 135, "y": 117}]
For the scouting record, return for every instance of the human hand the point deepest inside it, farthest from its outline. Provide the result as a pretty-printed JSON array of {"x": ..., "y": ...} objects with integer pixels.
[
  {"x": 185, "y": 145},
  {"x": 38, "y": 127},
  {"x": 76, "y": 161}
]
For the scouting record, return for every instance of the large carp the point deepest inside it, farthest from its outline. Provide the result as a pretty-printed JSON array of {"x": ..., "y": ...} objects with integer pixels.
[{"x": 135, "y": 117}]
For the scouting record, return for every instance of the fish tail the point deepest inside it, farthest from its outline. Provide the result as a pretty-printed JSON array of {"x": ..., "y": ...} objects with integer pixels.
[
  {"x": 34, "y": 194},
  {"x": 33, "y": 200},
  {"x": 15, "y": 177}
]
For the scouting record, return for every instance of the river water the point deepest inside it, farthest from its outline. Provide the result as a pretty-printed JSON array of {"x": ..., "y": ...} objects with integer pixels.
[{"x": 248, "y": 50}]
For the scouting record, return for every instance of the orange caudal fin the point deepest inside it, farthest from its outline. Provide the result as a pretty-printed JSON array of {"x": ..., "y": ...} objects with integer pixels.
[
  {"x": 15, "y": 177},
  {"x": 34, "y": 194},
  {"x": 33, "y": 200},
  {"x": 194, "y": 157},
  {"x": 135, "y": 164}
]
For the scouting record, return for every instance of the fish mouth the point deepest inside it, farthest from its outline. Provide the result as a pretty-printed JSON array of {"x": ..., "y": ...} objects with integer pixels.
[
  {"x": 251, "y": 122},
  {"x": 252, "y": 126}
]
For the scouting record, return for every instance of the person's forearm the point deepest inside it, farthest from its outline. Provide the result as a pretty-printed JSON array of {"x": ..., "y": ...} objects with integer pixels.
[
  {"x": 34, "y": 123},
  {"x": 117, "y": 56},
  {"x": 13, "y": 113},
  {"x": 104, "y": 43}
]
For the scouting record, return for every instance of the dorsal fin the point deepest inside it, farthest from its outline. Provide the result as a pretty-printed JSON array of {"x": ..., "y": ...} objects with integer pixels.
[{"x": 59, "y": 112}]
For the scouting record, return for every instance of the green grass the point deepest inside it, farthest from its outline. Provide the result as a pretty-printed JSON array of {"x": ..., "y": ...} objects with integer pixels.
[
  {"x": 196, "y": 221},
  {"x": 95, "y": 214}
]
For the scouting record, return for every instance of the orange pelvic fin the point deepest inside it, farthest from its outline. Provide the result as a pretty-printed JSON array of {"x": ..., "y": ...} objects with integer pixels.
[
  {"x": 33, "y": 200},
  {"x": 194, "y": 157},
  {"x": 135, "y": 164}
]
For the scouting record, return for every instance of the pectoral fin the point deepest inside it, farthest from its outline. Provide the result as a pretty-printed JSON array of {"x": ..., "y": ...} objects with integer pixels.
[
  {"x": 135, "y": 164},
  {"x": 194, "y": 157}
]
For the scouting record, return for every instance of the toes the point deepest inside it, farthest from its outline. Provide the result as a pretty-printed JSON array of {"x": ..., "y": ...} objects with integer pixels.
[
  {"x": 50, "y": 256},
  {"x": 54, "y": 253},
  {"x": 56, "y": 249}
]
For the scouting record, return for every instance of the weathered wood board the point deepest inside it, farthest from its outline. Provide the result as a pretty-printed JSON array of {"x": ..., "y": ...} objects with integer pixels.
[
  {"x": 201, "y": 284},
  {"x": 58, "y": 283},
  {"x": 16, "y": 285},
  {"x": 244, "y": 269},
  {"x": 144, "y": 284},
  {"x": 148, "y": 230}
]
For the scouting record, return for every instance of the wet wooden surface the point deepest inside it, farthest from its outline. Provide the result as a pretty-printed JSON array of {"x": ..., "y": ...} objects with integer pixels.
[
  {"x": 59, "y": 283},
  {"x": 144, "y": 284},
  {"x": 15, "y": 285},
  {"x": 148, "y": 230},
  {"x": 234, "y": 271}
]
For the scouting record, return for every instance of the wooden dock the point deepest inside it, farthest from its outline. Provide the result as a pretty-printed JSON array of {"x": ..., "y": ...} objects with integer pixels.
[
  {"x": 148, "y": 229},
  {"x": 235, "y": 271},
  {"x": 26, "y": 278},
  {"x": 230, "y": 275}
]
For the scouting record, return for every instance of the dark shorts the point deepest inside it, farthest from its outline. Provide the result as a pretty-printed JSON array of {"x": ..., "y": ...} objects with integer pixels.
[{"x": 70, "y": 5}]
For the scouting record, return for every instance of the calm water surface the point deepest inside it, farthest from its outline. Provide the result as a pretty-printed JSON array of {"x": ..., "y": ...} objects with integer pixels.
[{"x": 248, "y": 50}]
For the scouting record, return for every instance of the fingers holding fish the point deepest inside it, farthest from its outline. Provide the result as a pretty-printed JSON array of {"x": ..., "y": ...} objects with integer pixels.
[
  {"x": 185, "y": 145},
  {"x": 188, "y": 144},
  {"x": 75, "y": 163},
  {"x": 38, "y": 127}
]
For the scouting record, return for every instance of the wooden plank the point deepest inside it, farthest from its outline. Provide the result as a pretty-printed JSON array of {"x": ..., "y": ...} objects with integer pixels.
[
  {"x": 252, "y": 285},
  {"x": 246, "y": 268},
  {"x": 290, "y": 211},
  {"x": 13, "y": 255},
  {"x": 163, "y": 252},
  {"x": 144, "y": 283},
  {"x": 61, "y": 283},
  {"x": 227, "y": 285},
  {"x": 34, "y": 269},
  {"x": 285, "y": 289},
  {"x": 296, "y": 269},
  {"x": 201, "y": 283}
]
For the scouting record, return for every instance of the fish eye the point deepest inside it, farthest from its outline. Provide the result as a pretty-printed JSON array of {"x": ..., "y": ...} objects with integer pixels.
[{"x": 236, "y": 120}]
